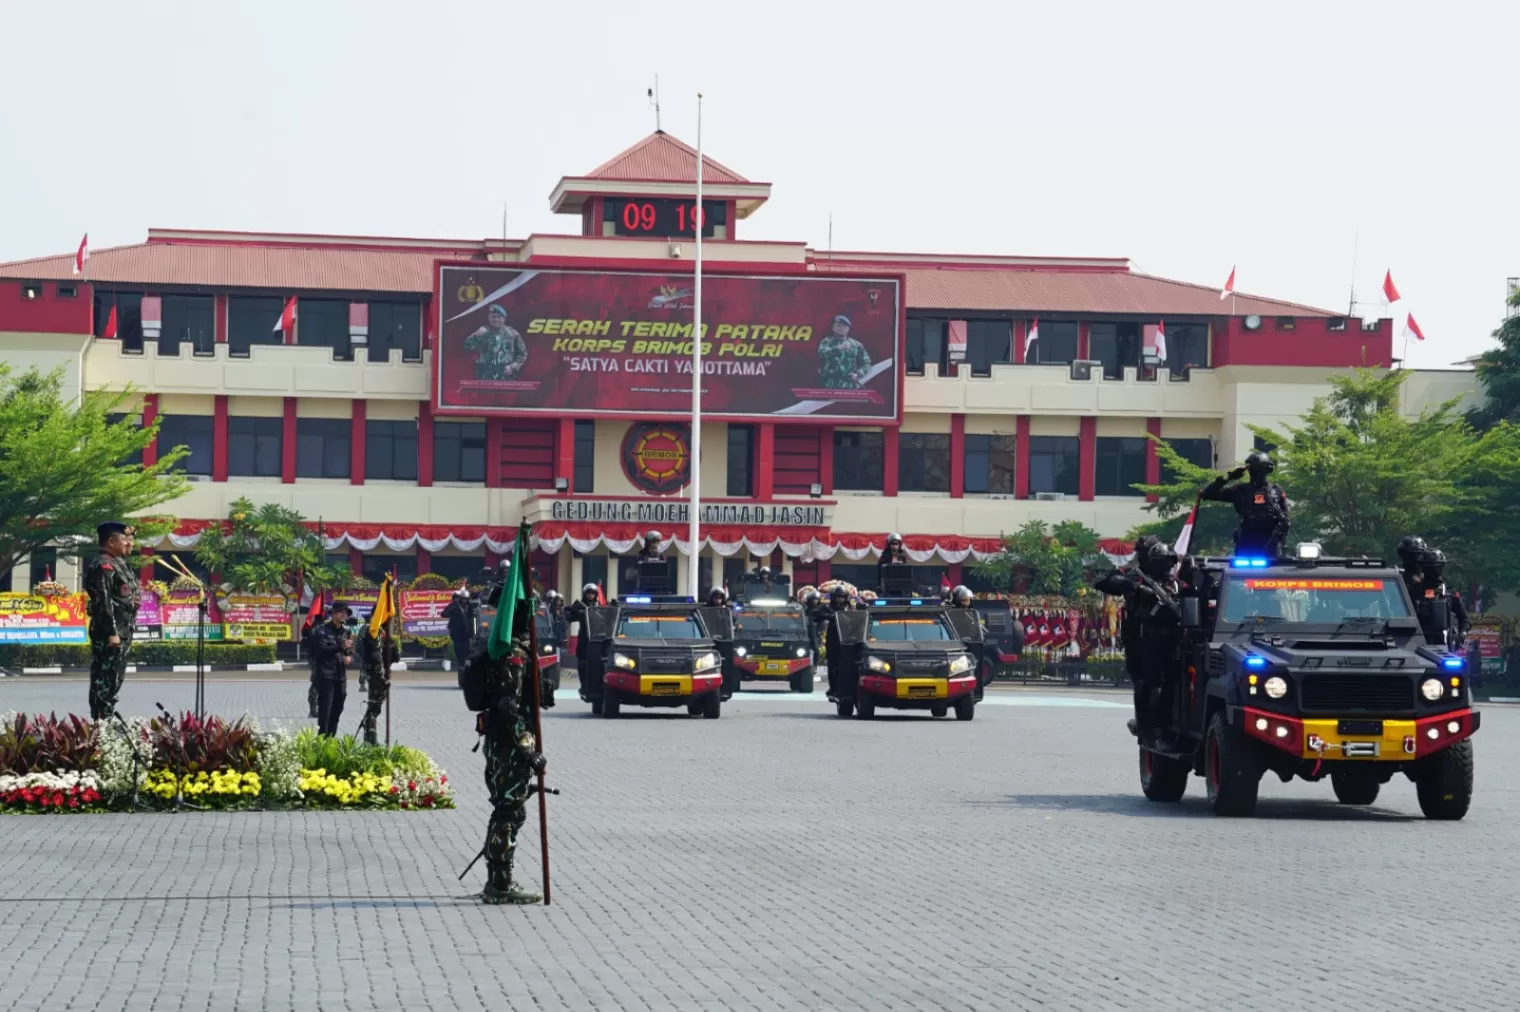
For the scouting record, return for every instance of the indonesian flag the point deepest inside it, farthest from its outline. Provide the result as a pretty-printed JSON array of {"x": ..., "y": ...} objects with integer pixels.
[
  {"x": 110, "y": 330},
  {"x": 1229, "y": 285},
  {"x": 944, "y": 582},
  {"x": 1410, "y": 327},
  {"x": 287, "y": 321},
  {"x": 1033, "y": 335},
  {"x": 601, "y": 598},
  {"x": 1390, "y": 293},
  {"x": 1185, "y": 539},
  {"x": 82, "y": 254},
  {"x": 1161, "y": 340}
]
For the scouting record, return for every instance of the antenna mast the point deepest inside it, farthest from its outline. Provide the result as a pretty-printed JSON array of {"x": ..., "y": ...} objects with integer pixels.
[
  {"x": 654, "y": 100},
  {"x": 1355, "y": 249}
]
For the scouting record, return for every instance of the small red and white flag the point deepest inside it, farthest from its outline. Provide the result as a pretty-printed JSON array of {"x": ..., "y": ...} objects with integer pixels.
[
  {"x": 944, "y": 582},
  {"x": 1033, "y": 335},
  {"x": 110, "y": 330},
  {"x": 1229, "y": 285},
  {"x": 287, "y": 321},
  {"x": 1390, "y": 293},
  {"x": 82, "y": 254},
  {"x": 1410, "y": 327},
  {"x": 1185, "y": 539}
]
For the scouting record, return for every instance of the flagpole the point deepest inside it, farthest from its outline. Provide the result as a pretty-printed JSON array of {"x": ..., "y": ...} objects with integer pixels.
[{"x": 696, "y": 380}]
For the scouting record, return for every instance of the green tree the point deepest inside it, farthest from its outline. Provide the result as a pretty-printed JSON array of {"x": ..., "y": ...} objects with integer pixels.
[
  {"x": 261, "y": 549},
  {"x": 1055, "y": 560},
  {"x": 1499, "y": 375},
  {"x": 1212, "y": 533},
  {"x": 63, "y": 470}
]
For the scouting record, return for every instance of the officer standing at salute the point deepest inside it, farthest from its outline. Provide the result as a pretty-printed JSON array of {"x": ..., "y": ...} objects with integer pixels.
[
  {"x": 1261, "y": 506},
  {"x": 110, "y": 581},
  {"x": 1424, "y": 576}
]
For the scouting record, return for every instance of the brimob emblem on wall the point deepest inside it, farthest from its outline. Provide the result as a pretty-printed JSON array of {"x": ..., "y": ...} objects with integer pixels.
[{"x": 657, "y": 457}]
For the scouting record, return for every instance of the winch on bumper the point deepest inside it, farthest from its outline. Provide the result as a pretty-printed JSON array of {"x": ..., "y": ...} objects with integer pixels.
[{"x": 1357, "y": 739}]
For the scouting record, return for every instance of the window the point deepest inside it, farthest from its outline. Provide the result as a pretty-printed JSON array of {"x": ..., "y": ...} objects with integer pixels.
[
  {"x": 340, "y": 559},
  {"x": 593, "y": 570},
  {"x": 923, "y": 462},
  {"x": 252, "y": 320},
  {"x": 44, "y": 565},
  {"x": 585, "y": 456},
  {"x": 68, "y": 291},
  {"x": 926, "y": 343},
  {"x": 253, "y": 447},
  {"x": 134, "y": 458},
  {"x": 1187, "y": 347},
  {"x": 323, "y": 323},
  {"x": 188, "y": 320},
  {"x": 1053, "y": 464},
  {"x": 1287, "y": 323},
  {"x": 990, "y": 464},
  {"x": 375, "y": 567},
  {"x": 741, "y": 460},
  {"x": 1120, "y": 465},
  {"x": 858, "y": 460},
  {"x": 192, "y": 432},
  {"x": 1198, "y": 452},
  {"x": 1258, "y": 443},
  {"x": 322, "y": 447},
  {"x": 128, "y": 306},
  {"x": 395, "y": 325},
  {"x": 459, "y": 451},
  {"x": 1116, "y": 345},
  {"x": 6, "y": 582},
  {"x": 1056, "y": 342},
  {"x": 390, "y": 451},
  {"x": 987, "y": 342}
]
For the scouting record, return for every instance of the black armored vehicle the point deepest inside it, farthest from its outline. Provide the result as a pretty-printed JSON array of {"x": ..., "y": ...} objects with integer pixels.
[
  {"x": 1312, "y": 667},
  {"x": 772, "y": 642},
  {"x": 659, "y": 651},
  {"x": 908, "y": 654},
  {"x": 1004, "y": 637}
]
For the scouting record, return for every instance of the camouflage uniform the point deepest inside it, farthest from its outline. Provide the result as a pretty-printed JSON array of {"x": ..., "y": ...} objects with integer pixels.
[
  {"x": 502, "y": 352},
  {"x": 511, "y": 760},
  {"x": 840, "y": 358},
  {"x": 114, "y": 595},
  {"x": 377, "y": 681}
]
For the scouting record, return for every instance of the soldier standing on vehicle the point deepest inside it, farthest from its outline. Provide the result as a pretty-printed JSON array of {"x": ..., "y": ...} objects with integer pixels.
[
  {"x": 1125, "y": 584},
  {"x": 843, "y": 361},
  {"x": 650, "y": 550},
  {"x": 1261, "y": 506},
  {"x": 110, "y": 581},
  {"x": 1424, "y": 571},
  {"x": 501, "y": 351}
]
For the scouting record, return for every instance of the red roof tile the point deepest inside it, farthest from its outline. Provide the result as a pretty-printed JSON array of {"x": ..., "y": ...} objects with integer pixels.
[{"x": 663, "y": 159}]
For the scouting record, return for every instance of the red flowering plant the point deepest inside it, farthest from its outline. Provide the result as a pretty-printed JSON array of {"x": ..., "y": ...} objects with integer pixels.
[
  {"x": 186, "y": 744},
  {"x": 48, "y": 764}
]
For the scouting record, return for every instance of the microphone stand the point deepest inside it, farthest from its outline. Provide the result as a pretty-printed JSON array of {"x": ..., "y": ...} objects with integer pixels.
[{"x": 126, "y": 730}]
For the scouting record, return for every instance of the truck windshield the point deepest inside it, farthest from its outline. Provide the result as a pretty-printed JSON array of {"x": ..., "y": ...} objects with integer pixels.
[
  {"x": 890, "y": 628},
  {"x": 649, "y": 627},
  {"x": 1311, "y": 599},
  {"x": 753, "y": 622}
]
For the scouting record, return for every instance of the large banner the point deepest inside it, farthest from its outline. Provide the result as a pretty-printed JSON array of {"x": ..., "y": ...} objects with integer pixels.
[
  {"x": 257, "y": 616},
  {"x": 515, "y": 341},
  {"x": 181, "y": 615},
  {"x": 422, "y": 612},
  {"x": 150, "y": 618},
  {"x": 33, "y": 618}
]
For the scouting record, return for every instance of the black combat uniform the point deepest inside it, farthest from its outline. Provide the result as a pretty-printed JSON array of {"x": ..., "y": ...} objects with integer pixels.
[
  {"x": 1424, "y": 575},
  {"x": 1124, "y": 584},
  {"x": 376, "y": 654},
  {"x": 842, "y": 673},
  {"x": 588, "y": 667},
  {"x": 114, "y": 595},
  {"x": 329, "y": 645},
  {"x": 460, "y": 613},
  {"x": 1261, "y": 506},
  {"x": 893, "y": 555}
]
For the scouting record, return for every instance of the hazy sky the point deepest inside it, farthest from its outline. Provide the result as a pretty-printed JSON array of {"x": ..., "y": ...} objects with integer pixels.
[{"x": 1186, "y": 136}]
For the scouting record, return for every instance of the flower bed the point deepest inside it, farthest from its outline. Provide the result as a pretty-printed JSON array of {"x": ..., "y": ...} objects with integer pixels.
[{"x": 53, "y": 765}]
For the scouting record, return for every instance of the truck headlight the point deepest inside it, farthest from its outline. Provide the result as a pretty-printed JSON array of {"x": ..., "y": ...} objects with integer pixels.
[
  {"x": 1276, "y": 687},
  {"x": 961, "y": 664},
  {"x": 707, "y": 661},
  {"x": 624, "y": 661},
  {"x": 1432, "y": 689},
  {"x": 741, "y": 651},
  {"x": 879, "y": 665},
  {"x": 801, "y": 652}
]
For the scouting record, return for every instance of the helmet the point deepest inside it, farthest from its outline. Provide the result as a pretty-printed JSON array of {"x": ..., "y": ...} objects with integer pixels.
[
  {"x": 1434, "y": 563},
  {"x": 1144, "y": 545},
  {"x": 461, "y": 592},
  {"x": 1412, "y": 544},
  {"x": 1259, "y": 461},
  {"x": 552, "y": 594},
  {"x": 960, "y": 593},
  {"x": 810, "y": 598},
  {"x": 717, "y": 595},
  {"x": 652, "y": 536},
  {"x": 1159, "y": 560},
  {"x": 839, "y": 593},
  {"x": 591, "y": 591},
  {"x": 764, "y": 570},
  {"x": 894, "y": 536}
]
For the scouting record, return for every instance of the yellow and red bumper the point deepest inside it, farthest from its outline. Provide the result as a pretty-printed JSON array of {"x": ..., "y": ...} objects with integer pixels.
[
  {"x": 772, "y": 667},
  {"x": 673, "y": 687},
  {"x": 910, "y": 690},
  {"x": 1358, "y": 738}
]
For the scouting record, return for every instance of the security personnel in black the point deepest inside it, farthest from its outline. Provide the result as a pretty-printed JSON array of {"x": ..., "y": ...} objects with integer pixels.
[
  {"x": 460, "y": 613},
  {"x": 717, "y": 597},
  {"x": 841, "y": 680},
  {"x": 1125, "y": 584},
  {"x": 588, "y": 669},
  {"x": 331, "y": 650},
  {"x": 650, "y": 551},
  {"x": 1424, "y": 576},
  {"x": 893, "y": 555},
  {"x": 1160, "y": 634},
  {"x": 1261, "y": 506}
]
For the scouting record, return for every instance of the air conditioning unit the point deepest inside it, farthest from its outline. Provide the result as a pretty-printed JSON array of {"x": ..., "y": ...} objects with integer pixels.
[
  {"x": 1050, "y": 496},
  {"x": 197, "y": 477},
  {"x": 1000, "y": 495},
  {"x": 1082, "y": 368}
]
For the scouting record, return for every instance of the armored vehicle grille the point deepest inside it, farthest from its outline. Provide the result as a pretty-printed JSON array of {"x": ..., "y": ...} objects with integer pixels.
[
  {"x": 665, "y": 664},
  {"x": 1352, "y": 693},
  {"x": 1345, "y": 646}
]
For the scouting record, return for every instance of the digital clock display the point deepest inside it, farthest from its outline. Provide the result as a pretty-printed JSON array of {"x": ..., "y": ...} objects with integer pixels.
[{"x": 663, "y": 218}]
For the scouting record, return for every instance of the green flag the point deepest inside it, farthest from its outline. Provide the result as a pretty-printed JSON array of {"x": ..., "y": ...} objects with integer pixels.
[{"x": 514, "y": 592}]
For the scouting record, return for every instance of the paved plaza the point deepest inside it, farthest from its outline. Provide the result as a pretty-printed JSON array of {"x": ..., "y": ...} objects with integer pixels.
[{"x": 776, "y": 859}]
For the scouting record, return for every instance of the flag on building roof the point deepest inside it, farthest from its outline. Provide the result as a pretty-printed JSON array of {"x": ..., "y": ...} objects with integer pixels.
[
  {"x": 82, "y": 254},
  {"x": 110, "y": 330},
  {"x": 1390, "y": 293},
  {"x": 1229, "y": 285},
  {"x": 287, "y": 320},
  {"x": 1410, "y": 327}
]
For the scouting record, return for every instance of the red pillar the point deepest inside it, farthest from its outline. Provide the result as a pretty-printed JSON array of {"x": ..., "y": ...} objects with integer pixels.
[
  {"x": 824, "y": 571},
  {"x": 288, "y": 443},
  {"x": 424, "y": 444},
  {"x": 219, "y": 440},
  {"x": 765, "y": 461},
  {"x": 1152, "y": 458},
  {"x": 355, "y": 560},
  {"x": 891, "y": 441},
  {"x": 1020, "y": 336},
  {"x": 149, "y": 416},
  {"x": 424, "y": 560},
  {"x": 1087, "y": 458},
  {"x": 290, "y": 335},
  {"x": 1084, "y": 339},
  {"x": 955, "y": 573},
  {"x": 957, "y": 456},
  {"x": 356, "y": 442},
  {"x": 493, "y": 452},
  {"x": 1021, "y": 453},
  {"x": 826, "y": 459},
  {"x": 564, "y": 452}
]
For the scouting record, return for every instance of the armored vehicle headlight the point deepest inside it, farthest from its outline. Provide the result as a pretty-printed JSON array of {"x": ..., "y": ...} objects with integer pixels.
[
  {"x": 708, "y": 660},
  {"x": 624, "y": 661},
  {"x": 1276, "y": 687},
  {"x": 801, "y": 652},
  {"x": 1432, "y": 689},
  {"x": 961, "y": 664},
  {"x": 741, "y": 652},
  {"x": 877, "y": 664}
]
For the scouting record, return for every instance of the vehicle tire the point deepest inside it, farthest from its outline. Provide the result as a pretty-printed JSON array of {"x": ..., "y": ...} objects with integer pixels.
[
  {"x": 802, "y": 681},
  {"x": 596, "y": 708},
  {"x": 694, "y": 709},
  {"x": 1354, "y": 787},
  {"x": 712, "y": 707},
  {"x": 611, "y": 705},
  {"x": 1444, "y": 782},
  {"x": 938, "y": 711},
  {"x": 1162, "y": 778},
  {"x": 845, "y": 707},
  {"x": 965, "y": 708},
  {"x": 1232, "y": 769},
  {"x": 865, "y": 709}
]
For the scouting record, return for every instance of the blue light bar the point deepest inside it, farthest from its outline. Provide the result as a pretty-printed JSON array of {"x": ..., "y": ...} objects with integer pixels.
[
  {"x": 1254, "y": 663},
  {"x": 638, "y": 600},
  {"x": 1453, "y": 663},
  {"x": 1249, "y": 563},
  {"x": 915, "y": 601}
]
